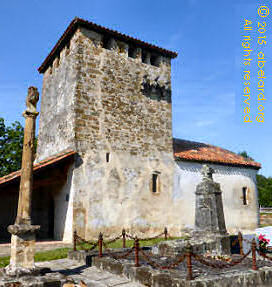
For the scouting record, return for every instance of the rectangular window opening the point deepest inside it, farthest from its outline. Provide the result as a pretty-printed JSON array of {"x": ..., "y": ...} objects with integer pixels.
[
  {"x": 105, "y": 43},
  {"x": 107, "y": 157},
  {"x": 132, "y": 52},
  {"x": 154, "y": 183},
  {"x": 244, "y": 196},
  {"x": 144, "y": 56},
  {"x": 154, "y": 60},
  {"x": 67, "y": 48}
]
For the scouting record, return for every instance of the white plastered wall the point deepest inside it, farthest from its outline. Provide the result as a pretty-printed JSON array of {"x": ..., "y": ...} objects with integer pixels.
[
  {"x": 63, "y": 199},
  {"x": 232, "y": 180}
]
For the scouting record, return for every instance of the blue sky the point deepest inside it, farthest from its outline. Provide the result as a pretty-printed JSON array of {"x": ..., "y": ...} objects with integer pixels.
[{"x": 206, "y": 77}]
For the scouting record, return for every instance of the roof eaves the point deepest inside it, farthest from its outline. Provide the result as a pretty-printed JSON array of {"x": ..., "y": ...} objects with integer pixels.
[
  {"x": 39, "y": 166},
  {"x": 254, "y": 165},
  {"x": 76, "y": 22}
]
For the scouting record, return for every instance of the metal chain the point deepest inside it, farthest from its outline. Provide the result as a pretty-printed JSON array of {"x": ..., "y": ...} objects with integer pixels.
[
  {"x": 114, "y": 239},
  {"x": 156, "y": 265},
  {"x": 92, "y": 248},
  {"x": 246, "y": 240},
  {"x": 144, "y": 239},
  {"x": 78, "y": 238},
  {"x": 263, "y": 255},
  {"x": 116, "y": 256},
  {"x": 219, "y": 264}
]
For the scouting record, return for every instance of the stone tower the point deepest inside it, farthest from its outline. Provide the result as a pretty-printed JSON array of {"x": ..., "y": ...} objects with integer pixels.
[{"x": 108, "y": 97}]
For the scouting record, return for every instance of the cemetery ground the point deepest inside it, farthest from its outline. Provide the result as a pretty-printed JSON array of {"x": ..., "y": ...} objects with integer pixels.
[
  {"x": 110, "y": 271},
  {"x": 47, "y": 251}
]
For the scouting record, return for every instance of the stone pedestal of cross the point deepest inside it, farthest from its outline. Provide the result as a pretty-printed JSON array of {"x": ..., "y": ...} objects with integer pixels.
[
  {"x": 209, "y": 213},
  {"x": 22, "y": 232}
]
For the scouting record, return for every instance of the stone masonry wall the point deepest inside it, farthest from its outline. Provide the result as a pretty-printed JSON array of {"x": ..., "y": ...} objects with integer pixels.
[
  {"x": 113, "y": 115},
  {"x": 115, "y": 111},
  {"x": 111, "y": 109},
  {"x": 57, "y": 115},
  {"x": 232, "y": 180}
]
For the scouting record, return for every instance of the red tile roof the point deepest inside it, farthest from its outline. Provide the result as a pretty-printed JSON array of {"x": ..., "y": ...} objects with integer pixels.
[
  {"x": 195, "y": 151},
  {"x": 44, "y": 163},
  {"x": 65, "y": 38}
]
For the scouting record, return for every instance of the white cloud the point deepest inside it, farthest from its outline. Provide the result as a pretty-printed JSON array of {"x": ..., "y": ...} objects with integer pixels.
[{"x": 204, "y": 123}]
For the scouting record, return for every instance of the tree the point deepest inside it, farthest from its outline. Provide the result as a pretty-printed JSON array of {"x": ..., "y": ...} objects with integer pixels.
[
  {"x": 264, "y": 185},
  {"x": 11, "y": 147},
  {"x": 245, "y": 155}
]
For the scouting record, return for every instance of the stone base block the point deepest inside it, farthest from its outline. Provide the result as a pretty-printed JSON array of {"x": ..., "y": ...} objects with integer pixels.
[
  {"x": 51, "y": 279},
  {"x": 22, "y": 250},
  {"x": 218, "y": 244}
]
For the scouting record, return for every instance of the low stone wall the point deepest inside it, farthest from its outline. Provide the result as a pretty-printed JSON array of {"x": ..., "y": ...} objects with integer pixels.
[
  {"x": 266, "y": 219},
  {"x": 200, "y": 246},
  {"x": 48, "y": 280},
  {"x": 156, "y": 278}
]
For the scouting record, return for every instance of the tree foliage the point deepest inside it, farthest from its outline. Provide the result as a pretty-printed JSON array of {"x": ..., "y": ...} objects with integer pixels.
[
  {"x": 265, "y": 190},
  {"x": 264, "y": 185},
  {"x": 245, "y": 155},
  {"x": 11, "y": 147}
]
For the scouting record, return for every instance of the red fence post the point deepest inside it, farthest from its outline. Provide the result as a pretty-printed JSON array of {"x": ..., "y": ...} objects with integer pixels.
[
  {"x": 74, "y": 240},
  {"x": 188, "y": 255},
  {"x": 137, "y": 246},
  {"x": 253, "y": 250},
  {"x": 100, "y": 244},
  {"x": 124, "y": 237},
  {"x": 240, "y": 240},
  {"x": 165, "y": 233}
]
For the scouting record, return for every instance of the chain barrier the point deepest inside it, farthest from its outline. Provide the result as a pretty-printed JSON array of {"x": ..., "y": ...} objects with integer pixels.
[
  {"x": 116, "y": 256},
  {"x": 144, "y": 239},
  {"x": 156, "y": 265},
  {"x": 263, "y": 254},
  {"x": 248, "y": 241},
  {"x": 78, "y": 238},
  {"x": 92, "y": 248},
  {"x": 114, "y": 239},
  {"x": 219, "y": 264}
]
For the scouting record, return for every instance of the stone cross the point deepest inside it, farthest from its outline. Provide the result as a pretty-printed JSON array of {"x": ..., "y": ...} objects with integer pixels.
[
  {"x": 207, "y": 172},
  {"x": 23, "y": 233}
]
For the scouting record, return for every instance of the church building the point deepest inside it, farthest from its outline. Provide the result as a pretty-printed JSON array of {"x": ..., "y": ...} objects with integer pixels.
[{"x": 106, "y": 157}]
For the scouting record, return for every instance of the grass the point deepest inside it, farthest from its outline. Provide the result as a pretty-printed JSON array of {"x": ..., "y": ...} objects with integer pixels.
[
  {"x": 41, "y": 256},
  {"x": 60, "y": 253},
  {"x": 264, "y": 225},
  {"x": 129, "y": 243},
  {"x": 269, "y": 214}
]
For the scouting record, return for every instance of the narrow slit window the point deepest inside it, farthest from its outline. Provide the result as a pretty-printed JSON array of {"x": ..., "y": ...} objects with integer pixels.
[
  {"x": 154, "y": 60},
  {"x": 244, "y": 196},
  {"x": 107, "y": 157},
  {"x": 144, "y": 56},
  {"x": 131, "y": 52},
  {"x": 105, "y": 43},
  {"x": 154, "y": 183},
  {"x": 68, "y": 48}
]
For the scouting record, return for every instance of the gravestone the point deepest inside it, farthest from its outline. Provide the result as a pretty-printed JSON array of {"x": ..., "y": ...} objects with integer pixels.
[{"x": 209, "y": 212}]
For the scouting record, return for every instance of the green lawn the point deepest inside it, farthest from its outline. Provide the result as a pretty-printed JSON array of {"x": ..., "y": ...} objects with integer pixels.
[{"x": 63, "y": 252}]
